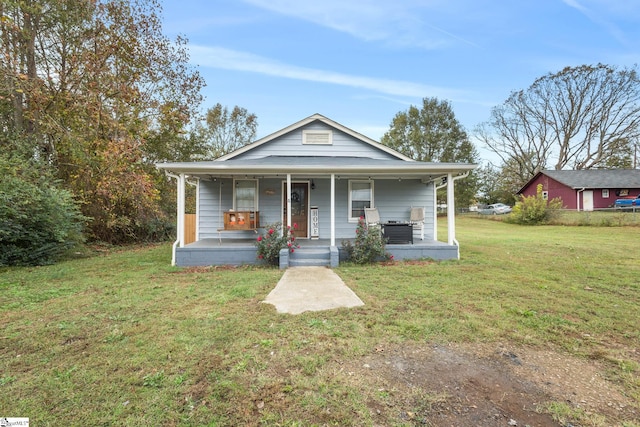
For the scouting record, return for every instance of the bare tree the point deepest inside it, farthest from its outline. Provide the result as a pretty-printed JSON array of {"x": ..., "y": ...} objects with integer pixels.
[
  {"x": 578, "y": 118},
  {"x": 226, "y": 131}
]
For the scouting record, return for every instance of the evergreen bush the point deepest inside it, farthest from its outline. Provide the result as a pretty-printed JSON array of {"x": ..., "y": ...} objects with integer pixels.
[{"x": 38, "y": 221}]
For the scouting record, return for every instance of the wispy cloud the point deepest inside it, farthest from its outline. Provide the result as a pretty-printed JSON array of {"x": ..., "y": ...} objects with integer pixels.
[
  {"x": 393, "y": 100},
  {"x": 597, "y": 18},
  {"x": 221, "y": 58},
  {"x": 400, "y": 23}
]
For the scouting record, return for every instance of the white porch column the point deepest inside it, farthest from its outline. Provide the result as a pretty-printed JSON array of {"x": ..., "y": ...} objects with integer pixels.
[
  {"x": 435, "y": 211},
  {"x": 333, "y": 209},
  {"x": 198, "y": 209},
  {"x": 288, "y": 224},
  {"x": 180, "y": 209},
  {"x": 451, "y": 211}
]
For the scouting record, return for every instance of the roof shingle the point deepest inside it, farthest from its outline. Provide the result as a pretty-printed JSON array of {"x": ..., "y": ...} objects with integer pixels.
[{"x": 596, "y": 178}]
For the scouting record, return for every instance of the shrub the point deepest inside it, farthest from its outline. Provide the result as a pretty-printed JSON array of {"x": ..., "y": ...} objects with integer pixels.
[
  {"x": 270, "y": 243},
  {"x": 39, "y": 222},
  {"x": 368, "y": 246},
  {"x": 533, "y": 210}
]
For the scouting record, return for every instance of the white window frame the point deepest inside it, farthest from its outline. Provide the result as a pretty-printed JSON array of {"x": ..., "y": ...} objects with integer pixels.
[
  {"x": 605, "y": 193},
  {"x": 371, "y": 201},
  {"x": 545, "y": 195},
  {"x": 322, "y": 137},
  {"x": 255, "y": 197}
]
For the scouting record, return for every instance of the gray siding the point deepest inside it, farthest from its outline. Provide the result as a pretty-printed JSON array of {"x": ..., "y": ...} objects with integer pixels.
[
  {"x": 211, "y": 215},
  {"x": 270, "y": 204},
  {"x": 393, "y": 199},
  {"x": 291, "y": 144},
  {"x": 211, "y": 218}
]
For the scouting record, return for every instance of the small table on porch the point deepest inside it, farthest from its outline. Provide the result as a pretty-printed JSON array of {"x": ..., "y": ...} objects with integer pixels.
[{"x": 397, "y": 232}]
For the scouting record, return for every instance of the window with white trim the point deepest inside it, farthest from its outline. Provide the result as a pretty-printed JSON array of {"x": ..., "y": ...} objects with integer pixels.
[
  {"x": 360, "y": 197},
  {"x": 545, "y": 195},
  {"x": 605, "y": 193},
  {"x": 245, "y": 194}
]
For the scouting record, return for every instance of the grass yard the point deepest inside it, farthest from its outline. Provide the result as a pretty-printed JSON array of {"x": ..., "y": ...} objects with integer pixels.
[
  {"x": 603, "y": 218},
  {"x": 123, "y": 338}
]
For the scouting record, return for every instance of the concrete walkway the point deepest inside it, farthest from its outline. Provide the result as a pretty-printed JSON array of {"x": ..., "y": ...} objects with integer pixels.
[{"x": 311, "y": 289}]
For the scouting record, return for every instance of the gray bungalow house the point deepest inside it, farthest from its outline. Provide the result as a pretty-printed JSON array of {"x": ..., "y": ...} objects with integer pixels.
[{"x": 320, "y": 176}]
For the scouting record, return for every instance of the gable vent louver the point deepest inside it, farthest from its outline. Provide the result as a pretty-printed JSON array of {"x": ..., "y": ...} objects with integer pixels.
[{"x": 315, "y": 137}]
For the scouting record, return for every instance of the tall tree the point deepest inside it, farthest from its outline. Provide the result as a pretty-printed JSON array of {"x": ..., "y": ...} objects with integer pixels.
[
  {"x": 224, "y": 131},
  {"x": 496, "y": 185},
  {"x": 433, "y": 134},
  {"x": 579, "y": 118},
  {"x": 92, "y": 83}
]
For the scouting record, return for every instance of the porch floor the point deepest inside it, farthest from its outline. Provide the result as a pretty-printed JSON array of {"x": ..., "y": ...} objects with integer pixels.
[{"x": 214, "y": 251}]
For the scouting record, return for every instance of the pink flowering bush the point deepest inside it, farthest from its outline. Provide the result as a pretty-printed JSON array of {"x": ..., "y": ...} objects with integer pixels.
[{"x": 274, "y": 239}]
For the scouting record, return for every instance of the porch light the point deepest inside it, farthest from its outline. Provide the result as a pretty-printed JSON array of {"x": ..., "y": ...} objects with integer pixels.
[{"x": 313, "y": 185}]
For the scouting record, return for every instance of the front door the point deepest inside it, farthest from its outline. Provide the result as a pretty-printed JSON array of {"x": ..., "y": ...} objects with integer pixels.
[
  {"x": 587, "y": 200},
  {"x": 299, "y": 207}
]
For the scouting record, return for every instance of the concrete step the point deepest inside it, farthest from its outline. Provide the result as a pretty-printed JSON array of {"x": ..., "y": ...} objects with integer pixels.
[
  {"x": 310, "y": 257},
  {"x": 303, "y": 253},
  {"x": 310, "y": 262}
]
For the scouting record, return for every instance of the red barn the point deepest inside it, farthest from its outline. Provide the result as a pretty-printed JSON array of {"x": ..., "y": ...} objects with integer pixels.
[{"x": 585, "y": 189}]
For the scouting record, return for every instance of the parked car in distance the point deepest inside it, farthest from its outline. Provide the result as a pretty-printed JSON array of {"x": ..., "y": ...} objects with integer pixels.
[{"x": 495, "y": 209}]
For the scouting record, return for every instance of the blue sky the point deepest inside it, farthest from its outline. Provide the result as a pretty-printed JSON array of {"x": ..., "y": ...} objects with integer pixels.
[{"x": 360, "y": 62}]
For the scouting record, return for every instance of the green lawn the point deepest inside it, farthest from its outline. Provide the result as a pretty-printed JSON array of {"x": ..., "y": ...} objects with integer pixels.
[{"x": 123, "y": 338}]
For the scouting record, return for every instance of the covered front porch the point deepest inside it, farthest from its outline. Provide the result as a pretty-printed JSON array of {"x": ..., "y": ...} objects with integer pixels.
[
  {"x": 317, "y": 252},
  {"x": 217, "y": 245}
]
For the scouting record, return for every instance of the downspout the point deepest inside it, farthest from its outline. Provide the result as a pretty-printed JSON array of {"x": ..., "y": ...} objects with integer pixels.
[
  {"x": 441, "y": 185},
  {"x": 175, "y": 244},
  {"x": 578, "y": 198},
  {"x": 451, "y": 218}
]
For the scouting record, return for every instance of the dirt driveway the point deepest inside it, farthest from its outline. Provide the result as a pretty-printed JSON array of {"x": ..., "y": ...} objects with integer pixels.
[{"x": 487, "y": 385}]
